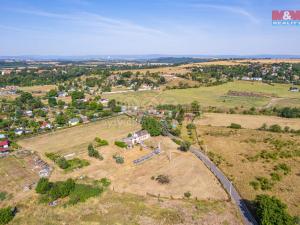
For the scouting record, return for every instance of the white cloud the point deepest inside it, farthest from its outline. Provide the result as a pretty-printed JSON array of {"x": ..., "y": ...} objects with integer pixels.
[{"x": 233, "y": 9}]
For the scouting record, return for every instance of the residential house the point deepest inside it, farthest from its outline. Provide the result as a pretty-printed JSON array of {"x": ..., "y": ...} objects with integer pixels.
[
  {"x": 19, "y": 131},
  {"x": 136, "y": 138},
  {"x": 294, "y": 89},
  {"x": 45, "y": 125},
  {"x": 2, "y": 136},
  {"x": 62, "y": 94},
  {"x": 4, "y": 146},
  {"x": 28, "y": 113},
  {"x": 73, "y": 121},
  {"x": 104, "y": 101}
]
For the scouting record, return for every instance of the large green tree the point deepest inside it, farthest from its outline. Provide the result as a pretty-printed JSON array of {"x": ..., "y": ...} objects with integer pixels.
[{"x": 152, "y": 126}]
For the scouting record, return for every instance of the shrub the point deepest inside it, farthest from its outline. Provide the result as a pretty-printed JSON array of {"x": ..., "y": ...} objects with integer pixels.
[
  {"x": 187, "y": 194},
  {"x": 235, "y": 126},
  {"x": 3, "y": 196},
  {"x": 265, "y": 184},
  {"x": 271, "y": 210},
  {"x": 62, "y": 163},
  {"x": 119, "y": 159},
  {"x": 283, "y": 167},
  {"x": 94, "y": 153},
  {"x": 120, "y": 144},
  {"x": 82, "y": 192},
  {"x": 254, "y": 184},
  {"x": 43, "y": 186},
  {"x": 6, "y": 215},
  {"x": 191, "y": 126},
  {"x": 105, "y": 182},
  {"x": 185, "y": 146},
  {"x": 162, "y": 179},
  {"x": 275, "y": 176},
  {"x": 275, "y": 128},
  {"x": 101, "y": 142}
]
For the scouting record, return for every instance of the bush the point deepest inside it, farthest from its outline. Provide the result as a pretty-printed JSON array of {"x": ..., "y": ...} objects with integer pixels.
[
  {"x": 187, "y": 194},
  {"x": 43, "y": 186},
  {"x": 235, "y": 126},
  {"x": 120, "y": 144},
  {"x": 191, "y": 126},
  {"x": 6, "y": 215},
  {"x": 265, "y": 184},
  {"x": 105, "y": 182},
  {"x": 101, "y": 142},
  {"x": 82, "y": 192},
  {"x": 3, "y": 196},
  {"x": 254, "y": 184},
  {"x": 162, "y": 179},
  {"x": 94, "y": 153},
  {"x": 185, "y": 146},
  {"x": 119, "y": 159},
  {"x": 275, "y": 128},
  {"x": 62, "y": 163},
  {"x": 283, "y": 167},
  {"x": 271, "y": 210},
  {"x": 275, "y": 176}
]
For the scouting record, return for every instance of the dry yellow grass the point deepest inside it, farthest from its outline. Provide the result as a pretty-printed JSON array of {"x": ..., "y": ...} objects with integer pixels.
[
  {"x": 235, "y": 146},
  {"x": 129, "y": 177},
  {"x": 128, "y": 209},
  {"x": 246, "y": 121},
  {"x": 38, "y": 90}
]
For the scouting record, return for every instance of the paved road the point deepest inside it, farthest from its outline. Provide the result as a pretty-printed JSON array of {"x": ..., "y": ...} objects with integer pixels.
[
  {"x": 245, "y": 213},
  {"x": 247, "y": 216}
]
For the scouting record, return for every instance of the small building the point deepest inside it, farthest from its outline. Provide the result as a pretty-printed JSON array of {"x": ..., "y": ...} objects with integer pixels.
[
  {"x": 73, "y": 121},
  {"x": 62, "y": 94},
  {"x": 2, "y": 136},
  {"x": 28, "y": 113},
  {"x": 4, "y": 146},
  {"x": 136, "y": 138},
  {"x": 19, "y": 131},
  {"x": 45, "y": 125},
  {"x": 104, "y": 101},
  {"x": 294, "y": 89}
]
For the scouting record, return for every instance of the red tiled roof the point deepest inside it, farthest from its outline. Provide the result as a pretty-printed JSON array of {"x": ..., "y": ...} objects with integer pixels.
[{"x": 2, "y": 143}]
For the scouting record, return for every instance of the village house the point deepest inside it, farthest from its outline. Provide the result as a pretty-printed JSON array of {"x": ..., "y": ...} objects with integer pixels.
[
  {"x": 73, "y": 121},
  {"x": 2, "y": 136},
  {"x": 62, "y": 94},
  {"x": 294, "y": 89},
  {"x": 4, "y": 147},
  {"x": 19, "y": 131},
  {"x": 104, "y": 101},
  {"x": 46, "y": 125},
  {"x": 136, "y": 138},
  {"x": 28, "y": 113}
]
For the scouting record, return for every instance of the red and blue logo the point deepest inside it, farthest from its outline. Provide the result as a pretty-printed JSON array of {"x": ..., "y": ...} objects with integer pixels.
[{"x": 286, "y": 17}]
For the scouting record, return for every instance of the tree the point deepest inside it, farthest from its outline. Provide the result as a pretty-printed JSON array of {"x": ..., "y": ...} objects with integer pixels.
[
  {"x": 195, "y": 108},
  {"x": 43, "y": 186},
  {"x": 52, "y": 101},
  {"x": 52, "y": 93},
  {"x": 6, "y": 215},
  {"x": 61, "y": 119},
  {"x": 62, "y": 163},
  {"x": 152, "y": 126},
  {"x": 77, "y": 95},
  {"x": 271, "y": 210},
  {"x": 185, "y": 146}
]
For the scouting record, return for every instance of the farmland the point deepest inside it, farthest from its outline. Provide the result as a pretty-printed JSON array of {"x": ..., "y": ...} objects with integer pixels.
[
  {"x": 249, "y": 156},
  {"x": 215, "y": 96},
  {"x": 246, "y": 121}
]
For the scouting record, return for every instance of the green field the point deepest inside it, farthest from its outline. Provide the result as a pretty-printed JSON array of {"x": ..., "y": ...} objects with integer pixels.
[{"x": 214, "y": 96}]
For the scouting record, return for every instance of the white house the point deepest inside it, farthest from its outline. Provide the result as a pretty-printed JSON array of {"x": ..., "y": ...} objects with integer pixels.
[
  {"x": 294, "y": 89},
  {"x": 73, "y": 122},
  {"x": 136, "y": 138},
  {"x": 19, "y": 131}
]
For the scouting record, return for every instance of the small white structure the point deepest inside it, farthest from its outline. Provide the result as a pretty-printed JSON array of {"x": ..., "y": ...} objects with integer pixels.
[
  {"x": 294, "y": 89},
  {"x": 73, "y": 122},
  {"x": 19, "y": 131},
  {"x": 136, "y": 138},
  {"x": 29, "y": 113}
]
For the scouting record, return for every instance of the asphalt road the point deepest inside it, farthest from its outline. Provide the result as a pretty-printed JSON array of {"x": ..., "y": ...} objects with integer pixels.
[
  {"x": 228, "y": 186},
  {"x": 246, "y": 214}
]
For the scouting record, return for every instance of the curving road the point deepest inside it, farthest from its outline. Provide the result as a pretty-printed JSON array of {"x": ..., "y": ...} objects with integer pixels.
[
  {"x": 235, "y": 196},
  {"x": 246, "y": 214}
]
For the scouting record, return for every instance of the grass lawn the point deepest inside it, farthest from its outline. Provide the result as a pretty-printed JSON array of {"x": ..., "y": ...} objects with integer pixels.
[{"x": 212, "y": 96}]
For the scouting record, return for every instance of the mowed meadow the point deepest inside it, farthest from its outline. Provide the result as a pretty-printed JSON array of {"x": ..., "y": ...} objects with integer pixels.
[
  {"x": 275, "y": 94},
  {"x": 76, "y": 139}
]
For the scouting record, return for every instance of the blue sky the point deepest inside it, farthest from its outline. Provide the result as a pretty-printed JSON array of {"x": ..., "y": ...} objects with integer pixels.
[{"x": 114, "y": 27}]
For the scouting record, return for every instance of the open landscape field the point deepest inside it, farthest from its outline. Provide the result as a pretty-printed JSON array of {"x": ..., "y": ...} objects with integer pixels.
[
  {"x": 257, "y": 162},
  {"x": 38, "y": 90},
  {"x": 128, "y": 177},
  {"x": 215, "y": 96},
  {"x": 246, "y": 121},
  {"x": 15, "y": 173},
  {"x": 185, "y": 68},
  {"x": 128, "y": 209}
]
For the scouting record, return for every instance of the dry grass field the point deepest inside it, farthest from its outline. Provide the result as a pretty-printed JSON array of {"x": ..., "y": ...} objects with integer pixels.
[
  {"x": 38, "y": 90},
  {"x": 15, "y": 173},
  {"x": 128, "y": 177},
  {"x": 182, "y": 69},
  {"x": 246, "y": 121},
  {"x": 247, "y": 154},
  {"x": 215, "y": 96},
  {"x": 129, "y": 209}
]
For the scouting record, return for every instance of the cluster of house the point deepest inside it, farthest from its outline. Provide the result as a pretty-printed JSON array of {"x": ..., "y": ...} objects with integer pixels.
[
  {"x": 136, "y": 138},
  {"x": 8, "y": 90},
  {"x": 252, "y": 78}
]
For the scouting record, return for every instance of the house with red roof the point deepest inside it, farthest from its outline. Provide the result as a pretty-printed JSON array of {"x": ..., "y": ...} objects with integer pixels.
[{"x": 4, "y": 146}]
